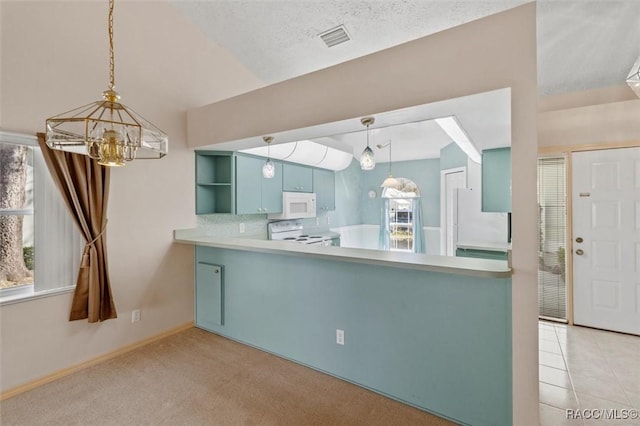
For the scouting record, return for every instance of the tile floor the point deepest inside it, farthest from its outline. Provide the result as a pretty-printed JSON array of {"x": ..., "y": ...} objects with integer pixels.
[{"x": 590, "y": 370}]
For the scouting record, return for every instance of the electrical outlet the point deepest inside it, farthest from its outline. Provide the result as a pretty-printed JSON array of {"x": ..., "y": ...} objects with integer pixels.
[
  {"x": 328, "y": 220},
  {"x": 135, "y": 315},
  {"x": 317, "y": 221},
  {"x": 340, "y": 336},
  {"x": 241, "y": 227}
]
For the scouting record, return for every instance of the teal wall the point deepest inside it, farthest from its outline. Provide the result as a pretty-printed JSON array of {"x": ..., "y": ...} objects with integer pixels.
[
  {"x": 496, "y": 180},
  {"x": 451, "y": 156},
  {"x": 441, "y": 342},
  {"x": 348, "y": 190},
  {"x": 425, "y": 173}
]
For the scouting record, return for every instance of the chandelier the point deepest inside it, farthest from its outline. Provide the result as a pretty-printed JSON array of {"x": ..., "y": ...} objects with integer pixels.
[{"x": 107, "y": 130}]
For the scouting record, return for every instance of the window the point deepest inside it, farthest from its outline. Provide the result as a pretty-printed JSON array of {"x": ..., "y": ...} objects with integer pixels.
[
  {"x": 552, "y": 220},
  {"x": 40, "y": 247}
]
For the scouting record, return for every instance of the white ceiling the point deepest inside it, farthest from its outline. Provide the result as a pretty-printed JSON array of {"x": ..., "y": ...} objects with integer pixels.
[
  {"x": 582, "y": 44},
  {"x": 486, "y": 118}
]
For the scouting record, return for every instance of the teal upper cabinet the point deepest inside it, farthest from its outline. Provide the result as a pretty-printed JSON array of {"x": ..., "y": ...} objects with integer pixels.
[
  {"x": 297, "y": 178},
  {"x": 254, "y": 193},
  {"x": 272, "y": 190},
  {"x": 324, "y": 185},
  {"x": 496, "y": 180},
  {"x": 214, "y": 182}
]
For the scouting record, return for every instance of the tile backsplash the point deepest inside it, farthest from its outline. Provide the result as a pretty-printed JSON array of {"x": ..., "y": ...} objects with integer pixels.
[{"x": 228, "y": 225}]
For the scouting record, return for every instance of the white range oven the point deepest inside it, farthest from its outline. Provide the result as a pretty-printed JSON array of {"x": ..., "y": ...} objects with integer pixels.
[{"x": 292, "y": 230}]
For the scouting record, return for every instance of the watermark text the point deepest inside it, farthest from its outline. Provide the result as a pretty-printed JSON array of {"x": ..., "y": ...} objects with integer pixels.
[{"x": 603, "y": 414}]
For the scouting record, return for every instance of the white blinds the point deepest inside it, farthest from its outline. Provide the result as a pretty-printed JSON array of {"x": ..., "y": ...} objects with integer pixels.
[
  {"x": 552, "y": 224},
  {"x": 58, "y": 241}
]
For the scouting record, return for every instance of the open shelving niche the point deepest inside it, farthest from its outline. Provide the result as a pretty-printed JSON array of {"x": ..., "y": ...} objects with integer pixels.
[{"x": 214, "y": 182}]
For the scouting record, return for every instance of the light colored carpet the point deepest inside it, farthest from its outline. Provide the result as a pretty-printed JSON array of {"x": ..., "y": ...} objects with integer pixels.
[{"x": 198, "y": 378}]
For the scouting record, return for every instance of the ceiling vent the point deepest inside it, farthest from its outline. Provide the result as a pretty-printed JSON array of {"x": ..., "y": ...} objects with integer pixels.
[{"x": 335, "y": 36}]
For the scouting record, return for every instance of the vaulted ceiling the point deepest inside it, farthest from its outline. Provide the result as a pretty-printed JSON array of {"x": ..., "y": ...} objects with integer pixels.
[{"x": 582, "y": 45}]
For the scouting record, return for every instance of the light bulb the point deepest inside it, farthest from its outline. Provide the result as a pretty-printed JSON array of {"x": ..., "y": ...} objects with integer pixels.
[{"x": 111, "y": 150}]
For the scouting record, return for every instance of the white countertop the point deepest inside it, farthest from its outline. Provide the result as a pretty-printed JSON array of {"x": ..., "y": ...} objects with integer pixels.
[
  {"x": 490, "y": 246},
  {"x": 445, "y": 264}
]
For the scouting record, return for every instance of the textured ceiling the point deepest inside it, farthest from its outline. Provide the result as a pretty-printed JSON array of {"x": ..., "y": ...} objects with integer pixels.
[
  {"x": 582, "y": 44},
  {"x": 278, "y": 39},
  {"x": 586, "y": 44}
]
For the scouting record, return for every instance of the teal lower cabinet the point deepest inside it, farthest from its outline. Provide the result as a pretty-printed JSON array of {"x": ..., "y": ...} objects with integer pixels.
[
  {"x": 209, "y": 295},
  {"x": 440, "y": 342},
  {"x": 482, "y": 254}
]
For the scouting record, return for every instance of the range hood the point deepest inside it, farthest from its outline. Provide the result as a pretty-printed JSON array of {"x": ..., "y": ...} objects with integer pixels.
[{"x": 309, "y": 153}]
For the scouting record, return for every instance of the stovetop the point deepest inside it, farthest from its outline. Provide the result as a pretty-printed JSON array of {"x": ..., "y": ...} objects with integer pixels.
[
  {"x": 293, "y": 230},
  {"x": 306, "y": 238}
]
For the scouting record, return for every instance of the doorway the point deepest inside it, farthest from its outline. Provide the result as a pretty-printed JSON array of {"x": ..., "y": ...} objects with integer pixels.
[
  {"x": 451, "y": 180},
  {"x": 606, "y": 239}
]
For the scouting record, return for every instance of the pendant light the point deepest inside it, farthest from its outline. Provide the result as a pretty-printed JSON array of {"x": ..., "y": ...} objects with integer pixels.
[
  {"x": 107, "y": 130},
  {"x": 269, "y": 169},
  {"x": 389, "y": 182},
  {"x": 367, "y": 162},
  {"x": 633, "y": 80}
]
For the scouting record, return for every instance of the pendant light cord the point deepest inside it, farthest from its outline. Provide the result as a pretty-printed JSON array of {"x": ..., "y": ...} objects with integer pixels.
[
  {"x": 112, "y": 74},
  {"x": 368, "y": 135}
]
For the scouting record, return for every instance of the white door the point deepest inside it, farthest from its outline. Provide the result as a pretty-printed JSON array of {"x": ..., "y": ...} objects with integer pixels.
[
  {"x": 452, "y": 180},
  {"x": 606, "y": 239}
]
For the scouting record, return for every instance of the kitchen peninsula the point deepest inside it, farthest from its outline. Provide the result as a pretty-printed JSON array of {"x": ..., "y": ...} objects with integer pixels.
[{"x": 431, "y": 331}]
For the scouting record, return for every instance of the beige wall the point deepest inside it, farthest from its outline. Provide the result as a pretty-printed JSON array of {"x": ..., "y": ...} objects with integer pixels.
[
  {"x": 54, "y": 58},
  {"x": 491, "y": 53},
  {"x": 603, "y": 116}
]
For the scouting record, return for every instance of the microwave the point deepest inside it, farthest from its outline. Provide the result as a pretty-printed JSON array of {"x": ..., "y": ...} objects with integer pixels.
[{"x": 296, "y": 205}]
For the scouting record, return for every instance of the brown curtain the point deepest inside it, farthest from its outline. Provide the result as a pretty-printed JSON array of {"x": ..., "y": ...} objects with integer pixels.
[{"x": 84, "y": 185}]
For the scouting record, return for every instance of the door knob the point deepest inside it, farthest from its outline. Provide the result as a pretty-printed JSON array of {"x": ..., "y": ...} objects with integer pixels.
[
  {"x": 579, "y": 240},
  {"x": 579, "y": 252}
]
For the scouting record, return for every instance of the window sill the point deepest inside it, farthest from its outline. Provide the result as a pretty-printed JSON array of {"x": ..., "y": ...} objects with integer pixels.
[{"x": 27, "y": 293}]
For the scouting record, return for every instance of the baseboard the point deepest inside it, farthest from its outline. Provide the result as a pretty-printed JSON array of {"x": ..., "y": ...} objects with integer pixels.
[{"x": 70, "y": 370}]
